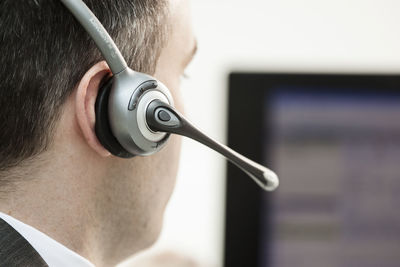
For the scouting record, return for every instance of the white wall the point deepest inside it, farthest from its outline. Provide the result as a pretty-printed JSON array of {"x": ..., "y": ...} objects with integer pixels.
[{"x": 262, "y": 35}]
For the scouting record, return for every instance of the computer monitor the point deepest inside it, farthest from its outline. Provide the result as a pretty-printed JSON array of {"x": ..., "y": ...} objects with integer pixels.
[{"x": 334, "y": 141}]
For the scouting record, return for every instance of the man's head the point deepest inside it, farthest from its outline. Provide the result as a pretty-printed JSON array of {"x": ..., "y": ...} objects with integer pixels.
[
  {"x": 45, "y": 53},
  {"x": 50, "y": 75}
]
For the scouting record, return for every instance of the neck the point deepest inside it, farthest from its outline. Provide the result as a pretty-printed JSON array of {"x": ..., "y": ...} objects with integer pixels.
[
  {"x": 56, "y": 199},
  {"x": 67, "y": 193}
]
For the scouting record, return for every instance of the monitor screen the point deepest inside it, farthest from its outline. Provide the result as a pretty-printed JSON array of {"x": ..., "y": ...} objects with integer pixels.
[
  {"x": 338, "y": 157},
  {"x": 334, "y": 141}
]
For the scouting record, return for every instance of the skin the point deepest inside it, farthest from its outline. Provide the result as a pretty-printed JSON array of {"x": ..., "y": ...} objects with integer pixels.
[{"x": 102, "y": 207}]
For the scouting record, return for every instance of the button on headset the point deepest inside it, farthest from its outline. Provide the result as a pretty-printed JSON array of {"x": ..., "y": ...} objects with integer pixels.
[
  {"x": 148, "y": 85},
  {"x": 164, "y": 116}
]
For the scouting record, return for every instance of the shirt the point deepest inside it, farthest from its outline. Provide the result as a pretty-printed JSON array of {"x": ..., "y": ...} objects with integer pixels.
[{"x": 52, "y": 252}]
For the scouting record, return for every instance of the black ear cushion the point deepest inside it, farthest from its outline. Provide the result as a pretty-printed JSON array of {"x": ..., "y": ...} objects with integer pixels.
[{"x": 102, "y": 126}]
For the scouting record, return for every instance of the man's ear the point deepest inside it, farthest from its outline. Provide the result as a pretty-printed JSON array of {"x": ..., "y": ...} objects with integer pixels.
[{"x": 85, "y": 99}]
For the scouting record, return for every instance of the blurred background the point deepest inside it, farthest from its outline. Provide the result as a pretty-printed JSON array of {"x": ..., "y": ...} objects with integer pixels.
[{"x": 286, "y": 36}]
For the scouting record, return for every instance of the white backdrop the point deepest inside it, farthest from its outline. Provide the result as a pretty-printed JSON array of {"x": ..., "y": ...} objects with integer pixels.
[{"x": 262, "y": 35}]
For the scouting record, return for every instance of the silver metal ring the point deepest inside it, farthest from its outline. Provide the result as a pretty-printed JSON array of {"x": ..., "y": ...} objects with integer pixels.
[{"x": 144, "y": 102}]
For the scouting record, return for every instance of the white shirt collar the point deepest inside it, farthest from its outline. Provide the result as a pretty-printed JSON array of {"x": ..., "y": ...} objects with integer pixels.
[{"x": 52, "y": 252}]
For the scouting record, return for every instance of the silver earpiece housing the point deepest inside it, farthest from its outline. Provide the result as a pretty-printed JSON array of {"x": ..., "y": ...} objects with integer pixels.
[{"x": 130, "y": 96}]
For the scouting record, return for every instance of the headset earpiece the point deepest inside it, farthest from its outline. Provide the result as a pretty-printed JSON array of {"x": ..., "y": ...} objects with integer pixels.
[{"x": 121, "y": 106}]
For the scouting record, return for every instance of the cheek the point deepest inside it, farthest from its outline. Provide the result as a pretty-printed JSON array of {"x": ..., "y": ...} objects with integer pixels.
[
  {"x": 168, "y": 160},
  {"x": 172, "y": 79},
  {"x": 174, "y": 88}
]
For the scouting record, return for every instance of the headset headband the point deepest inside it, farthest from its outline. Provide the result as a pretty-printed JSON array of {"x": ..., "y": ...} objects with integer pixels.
[{"x": 98, "y": 33}]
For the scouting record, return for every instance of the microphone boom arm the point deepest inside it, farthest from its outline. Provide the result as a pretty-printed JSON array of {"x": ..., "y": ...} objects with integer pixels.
[{"x": 162, "y": 117}]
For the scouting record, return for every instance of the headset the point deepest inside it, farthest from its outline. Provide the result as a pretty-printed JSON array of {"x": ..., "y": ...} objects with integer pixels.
[{"x": 134, "y": 111}]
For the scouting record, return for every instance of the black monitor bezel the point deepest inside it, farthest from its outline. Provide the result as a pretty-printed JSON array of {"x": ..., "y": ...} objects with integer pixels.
[{"x": 248, "y": 92}]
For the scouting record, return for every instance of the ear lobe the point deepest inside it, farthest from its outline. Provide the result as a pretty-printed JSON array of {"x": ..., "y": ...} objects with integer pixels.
[{"x": 85, "y": 100}]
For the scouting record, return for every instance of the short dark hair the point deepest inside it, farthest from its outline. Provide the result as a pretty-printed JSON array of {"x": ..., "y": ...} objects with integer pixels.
[{"x": 44, "y": 54}]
